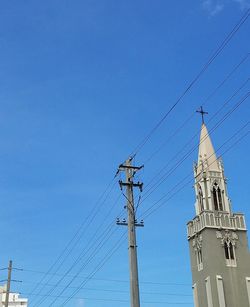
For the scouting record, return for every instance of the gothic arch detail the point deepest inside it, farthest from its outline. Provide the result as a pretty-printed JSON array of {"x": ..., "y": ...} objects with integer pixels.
[
  {"x": 217, "y": 197},
  {"x": 228, "y": 242}
]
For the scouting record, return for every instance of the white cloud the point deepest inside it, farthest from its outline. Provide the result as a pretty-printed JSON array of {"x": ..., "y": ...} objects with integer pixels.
[
  {"x": 212, "y": 7},
  {"x": 244, "y": 4},
  {"x": 80, "y": 303}
]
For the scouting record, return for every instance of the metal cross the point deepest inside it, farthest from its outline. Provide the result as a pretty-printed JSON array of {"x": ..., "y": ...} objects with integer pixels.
[{"x": 202, "y": 112}]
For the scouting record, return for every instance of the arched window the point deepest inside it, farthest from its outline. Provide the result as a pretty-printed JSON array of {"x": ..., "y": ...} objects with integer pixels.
[
  {"x": 229, "y": 253},
  {"x": 217, "y": 197},
  {"x": 200, "y": 198}
]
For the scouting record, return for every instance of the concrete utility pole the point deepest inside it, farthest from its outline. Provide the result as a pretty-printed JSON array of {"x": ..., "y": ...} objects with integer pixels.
[
  {"x": 131, "y": 223},
  {"x": 6, "y": 304}
]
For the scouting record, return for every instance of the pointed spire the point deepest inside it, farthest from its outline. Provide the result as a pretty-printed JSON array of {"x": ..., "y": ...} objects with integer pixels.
[{"x": 206, "y": 159}]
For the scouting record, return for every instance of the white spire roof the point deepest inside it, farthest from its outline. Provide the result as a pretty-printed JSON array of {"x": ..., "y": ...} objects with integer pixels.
[{"x": 206, "y": 159}]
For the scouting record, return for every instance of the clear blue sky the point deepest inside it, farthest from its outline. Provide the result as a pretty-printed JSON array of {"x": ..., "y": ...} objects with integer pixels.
[{"x": 82, "y": 83}]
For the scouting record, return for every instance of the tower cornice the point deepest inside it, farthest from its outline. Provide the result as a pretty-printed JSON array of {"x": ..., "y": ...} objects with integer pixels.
[{"x": 219, "y": 220}]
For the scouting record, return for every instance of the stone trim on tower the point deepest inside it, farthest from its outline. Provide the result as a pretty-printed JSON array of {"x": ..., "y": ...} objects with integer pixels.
[
  {"x": 220, "y": 289},
  {"x": 209, "y": 292},
  {"x": 248, "y": 288},
  {"x": 210, "y": 219},
  {"x": 195, "y": 295}
]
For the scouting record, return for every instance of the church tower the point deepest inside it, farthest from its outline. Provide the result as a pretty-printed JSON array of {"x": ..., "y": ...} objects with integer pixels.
[{"x": 220, "y": 258}]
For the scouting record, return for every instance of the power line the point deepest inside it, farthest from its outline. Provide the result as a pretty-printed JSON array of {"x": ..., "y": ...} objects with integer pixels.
[
  {"x": 190, "y": 141},
  {"x": 191, "y": 84},
  {"x": 70, "y": 243},
  {"x": 98, "y": 267},
  {"x": 108, "y": 279},
  {"x": 194, "y": 136},
  {"x": 235, "y": 68},
  {"x": 77, "y": 236},
  {"x": 100, "y": 241},
  {"x": 104, "y": 236},
  {"x": 91, "y": 243},
  {"x": 217, "y": 52},
  {"x": 118, "y": 300},
  {"x": 67, "y": 251},
  {"x": 243, "y": 60},
  {"x": 114, "y": 290},
  {"x": 105, "y": 259},
  {"x": 110, "y": 253},
  {"x": 170, "y": 138},
  {"x": 186, "y": 155},
  {"x": 205, "y": 138},
  {"x": 227, "y": 101},
  {"x": 232, "y": 110},
  {"x": 158, "y": 204}
]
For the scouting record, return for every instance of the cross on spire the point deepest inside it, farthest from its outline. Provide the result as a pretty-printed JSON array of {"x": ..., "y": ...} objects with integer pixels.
[{"x": 202, "y": 112}]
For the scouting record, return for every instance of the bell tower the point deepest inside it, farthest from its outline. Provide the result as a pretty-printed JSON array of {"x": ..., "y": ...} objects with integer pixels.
[{"x": 220, "y": 258}]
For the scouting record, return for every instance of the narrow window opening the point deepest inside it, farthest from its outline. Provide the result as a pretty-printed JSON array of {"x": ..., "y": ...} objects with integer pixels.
[
  {"x": 217, "y": 198},
  {"x": 200, "y": 197},
  {"x": 229, "y": 253},
  {"x": 231, "y": 250},
  {"x": 200, "y": 256},
  {"x": 226, "y": 250},
  {"x": 199, "y": 260}
]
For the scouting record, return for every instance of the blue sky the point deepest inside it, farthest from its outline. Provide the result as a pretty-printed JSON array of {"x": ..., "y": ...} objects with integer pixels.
[{"x": 82, "y": 83}]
